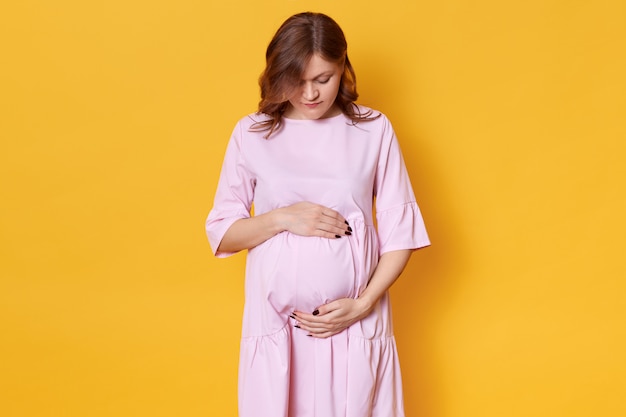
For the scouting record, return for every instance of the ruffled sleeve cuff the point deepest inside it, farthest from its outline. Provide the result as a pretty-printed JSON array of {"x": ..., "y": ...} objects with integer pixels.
[
  {"x": 216, "y": 226},
  {"x": 401, "y": 227}
]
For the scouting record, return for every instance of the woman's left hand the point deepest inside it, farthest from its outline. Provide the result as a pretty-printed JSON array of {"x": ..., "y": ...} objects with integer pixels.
[{"x": 333, "y": 317}]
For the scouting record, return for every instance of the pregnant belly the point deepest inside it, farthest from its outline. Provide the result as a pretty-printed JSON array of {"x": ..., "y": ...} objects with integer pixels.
[{"x": 301, "y": 273}]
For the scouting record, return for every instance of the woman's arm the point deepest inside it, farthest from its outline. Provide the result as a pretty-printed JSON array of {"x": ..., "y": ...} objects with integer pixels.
[
  {"x": 335, "y": 316},
  {"x": 304, "y": 219}
]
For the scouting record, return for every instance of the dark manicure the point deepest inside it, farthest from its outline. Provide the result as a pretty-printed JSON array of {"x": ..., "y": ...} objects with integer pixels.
[
  {"x": 349, "y": 229},
  {"x": 346, "y": 222},
  {"x": 296, "y": 326},
  {"x": 337, "y": 236},
  {"x": 310, "y": 335},
  {"x": 348, "y": 233},
  {"x": 292, "y": 316},
  {"x": 316, "y": 312}
]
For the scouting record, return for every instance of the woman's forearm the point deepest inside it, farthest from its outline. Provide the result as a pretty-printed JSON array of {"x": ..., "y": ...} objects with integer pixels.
[
  {"x": 389, "y": 268},
  {"x": 304, "y": 219},
  {"x": 250, "y": 232}
]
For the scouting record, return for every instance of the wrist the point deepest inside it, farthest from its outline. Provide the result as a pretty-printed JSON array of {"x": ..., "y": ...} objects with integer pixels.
[
  {"x": 367, "y": 302},
  {"x": 276, "y": 221}
]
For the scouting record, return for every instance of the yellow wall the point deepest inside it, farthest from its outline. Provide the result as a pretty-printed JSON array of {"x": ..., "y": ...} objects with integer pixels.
[{"x": 114, "y": 116}]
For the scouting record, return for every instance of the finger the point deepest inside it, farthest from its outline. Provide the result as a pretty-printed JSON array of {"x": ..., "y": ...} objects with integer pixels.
[
  {"x": 330, "y": 233},
  {"x": 318, "y": 328},
  {"x": 334, "y": 230},
  {"x": 328, "y": 223},
  {"x": 330, "y": 213},
  {"x": 314, "y": 324},
  {"x": 334, "y": 219},
  {"x": 320, "y": 313},
  {"x": 325, "y": 334},
  {"x": 321, "y": 325},
  {"x": 327, "y": 308},
  {"x": 315, "y": 330}
]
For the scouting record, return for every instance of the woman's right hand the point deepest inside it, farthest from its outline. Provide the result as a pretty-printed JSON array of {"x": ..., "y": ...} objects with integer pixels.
[
  {"x": 304, "y": 219},
  {"x": 309, "y": 219}
]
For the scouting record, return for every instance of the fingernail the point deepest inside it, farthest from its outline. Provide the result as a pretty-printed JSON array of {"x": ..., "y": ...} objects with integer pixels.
[
  {"x": 346, "y": 222},
  {"x": 337, "y": 236},
  {"x": 349, "y": 229},
  {"x": 316, "y": 312},
  {"x": 348, "y": 233},
  {"x": 296, "y": 326},
  {"x": 310, "y": 335},
  {"x": 292, "y": 316}
]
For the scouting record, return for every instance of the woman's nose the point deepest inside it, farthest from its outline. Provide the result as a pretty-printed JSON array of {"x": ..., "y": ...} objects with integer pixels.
[{"x": 310, "y": 93}]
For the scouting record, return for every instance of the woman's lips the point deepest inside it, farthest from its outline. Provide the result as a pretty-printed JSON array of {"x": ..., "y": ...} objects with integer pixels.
[{"x": 311, "y": 105}]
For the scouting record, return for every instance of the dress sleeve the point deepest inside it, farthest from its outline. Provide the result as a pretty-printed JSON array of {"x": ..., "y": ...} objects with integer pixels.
[
  {"x": 400, "y": 223},
  {"x": 234, "y": 195}
]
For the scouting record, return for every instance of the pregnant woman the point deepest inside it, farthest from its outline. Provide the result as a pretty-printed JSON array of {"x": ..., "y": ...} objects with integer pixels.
[{"x": 317, "y": 337}]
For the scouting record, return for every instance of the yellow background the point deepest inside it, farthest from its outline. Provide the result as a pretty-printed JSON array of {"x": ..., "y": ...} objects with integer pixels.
[{"x": 114, "y": 117}]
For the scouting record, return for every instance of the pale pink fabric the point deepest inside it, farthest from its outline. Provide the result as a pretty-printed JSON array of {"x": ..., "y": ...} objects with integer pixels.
[{"x": 282, "y": 371}]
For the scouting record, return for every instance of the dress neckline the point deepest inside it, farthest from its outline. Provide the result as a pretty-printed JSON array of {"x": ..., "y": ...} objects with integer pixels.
[{"x": 325, "y": 119}]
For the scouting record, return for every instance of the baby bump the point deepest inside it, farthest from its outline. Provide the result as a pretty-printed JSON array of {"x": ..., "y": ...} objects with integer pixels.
[
  {"x": 326, "y": 270},
  {"x": 302, "y": 273}
]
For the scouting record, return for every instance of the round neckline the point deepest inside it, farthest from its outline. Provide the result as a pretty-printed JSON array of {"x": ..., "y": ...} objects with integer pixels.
[{"x": 313, "y": 120}]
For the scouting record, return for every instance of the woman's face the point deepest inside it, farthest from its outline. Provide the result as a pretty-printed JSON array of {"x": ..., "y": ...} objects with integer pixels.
[{"x": 315, "y": 97}]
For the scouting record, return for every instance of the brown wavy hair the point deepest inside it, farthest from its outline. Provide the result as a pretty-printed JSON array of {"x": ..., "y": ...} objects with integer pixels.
[{"x": 296, "y": 41}]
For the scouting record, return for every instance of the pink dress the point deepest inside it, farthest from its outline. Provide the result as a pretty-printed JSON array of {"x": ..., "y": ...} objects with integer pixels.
[{"x": 282, "y": 372}]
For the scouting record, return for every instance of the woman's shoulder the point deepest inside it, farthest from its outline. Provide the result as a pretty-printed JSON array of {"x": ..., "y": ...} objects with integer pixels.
[
  {"x": 370, "y": 114},
  {"x": 250, "y": 126},
  {"x": 364, "y": 110},
  {"x": 371, "y": 117},
  {"x": 252, "y": 119}
]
